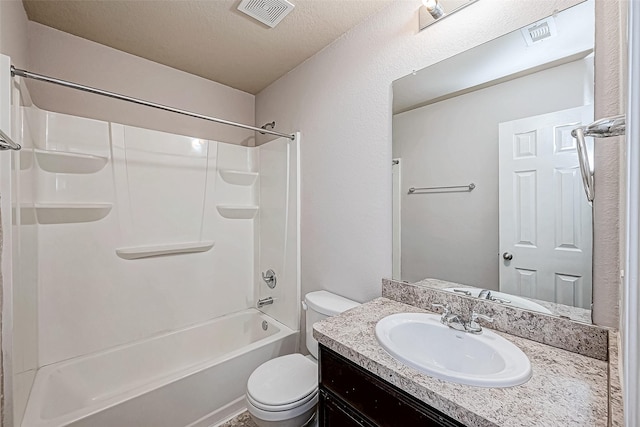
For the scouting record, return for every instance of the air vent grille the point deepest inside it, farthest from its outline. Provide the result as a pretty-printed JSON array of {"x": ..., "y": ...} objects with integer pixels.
[
  {"x": 269, "y": 12},
  {"x": 539, "y": 31}
]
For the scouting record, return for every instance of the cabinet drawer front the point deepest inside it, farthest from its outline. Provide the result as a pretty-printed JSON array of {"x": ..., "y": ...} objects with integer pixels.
[
  {"x": 333, "y": 412},
  {"x": 380, "y": 402}
]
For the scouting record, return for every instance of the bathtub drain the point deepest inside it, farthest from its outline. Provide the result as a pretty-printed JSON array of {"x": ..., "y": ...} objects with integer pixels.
[{"x": 265, "y": 325}]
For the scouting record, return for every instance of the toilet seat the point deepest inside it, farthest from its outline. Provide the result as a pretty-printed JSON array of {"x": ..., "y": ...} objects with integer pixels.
[{"x": 283, "y": 383}]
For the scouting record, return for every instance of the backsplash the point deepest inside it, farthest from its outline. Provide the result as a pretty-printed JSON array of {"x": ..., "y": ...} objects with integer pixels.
[{"x": 577, "y": 337}]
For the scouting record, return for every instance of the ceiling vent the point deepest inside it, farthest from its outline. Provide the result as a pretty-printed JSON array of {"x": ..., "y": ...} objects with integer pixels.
[
  {"x": 539, "y": 31},
  {"x": 269, "y": 12}
]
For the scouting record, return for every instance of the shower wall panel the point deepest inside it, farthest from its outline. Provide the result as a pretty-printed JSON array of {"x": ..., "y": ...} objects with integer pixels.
[
  {"x": 279, "y": 242},
  {"x": 24, "y": 254},
  {"x": 153, "y": 190}
]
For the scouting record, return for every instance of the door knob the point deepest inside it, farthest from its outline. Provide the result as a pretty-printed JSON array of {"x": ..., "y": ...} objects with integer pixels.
[{"x": 507, "y": 256}]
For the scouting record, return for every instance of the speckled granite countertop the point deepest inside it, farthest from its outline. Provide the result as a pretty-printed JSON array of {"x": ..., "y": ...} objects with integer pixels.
[{"x": 566, "y": 389}]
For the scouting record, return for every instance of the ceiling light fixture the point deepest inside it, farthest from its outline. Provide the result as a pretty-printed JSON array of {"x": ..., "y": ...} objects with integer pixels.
[
  {"x": 434, "y": 8},
  {"x": 433, "y": 11}
]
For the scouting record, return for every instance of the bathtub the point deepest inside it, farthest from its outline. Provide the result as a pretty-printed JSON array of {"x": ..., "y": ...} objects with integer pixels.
[{"x": 193, "y": 377}]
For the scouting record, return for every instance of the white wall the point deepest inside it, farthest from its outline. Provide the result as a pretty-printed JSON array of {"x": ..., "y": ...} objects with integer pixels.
[
  {"x": 454, "y": 142},
  {"x": 58, "y": 54},
  {"x": 340, "y": 99}
]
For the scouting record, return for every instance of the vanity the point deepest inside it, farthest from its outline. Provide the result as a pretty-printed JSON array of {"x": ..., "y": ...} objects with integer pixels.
[
  {"x": 362, "y": 385},
  {"x": 352, "y": 396}
]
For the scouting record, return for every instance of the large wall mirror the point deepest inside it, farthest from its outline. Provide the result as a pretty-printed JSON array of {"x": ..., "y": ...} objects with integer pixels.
[{"x": 487, "y": 192}]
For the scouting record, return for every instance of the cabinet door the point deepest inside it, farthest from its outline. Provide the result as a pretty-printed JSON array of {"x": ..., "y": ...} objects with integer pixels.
[
  {"x": 384, "y": 404},
  {"x": 334, "y": 413}
]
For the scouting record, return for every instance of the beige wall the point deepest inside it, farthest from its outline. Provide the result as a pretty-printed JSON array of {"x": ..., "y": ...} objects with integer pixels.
[
  {"x": 13, "y": 31},
  {"x": 608, "y": 208},
  {"x": 340, "y": 100},
  {"x": 13, "y": 42},
  {"x": 61, "y": 55}
]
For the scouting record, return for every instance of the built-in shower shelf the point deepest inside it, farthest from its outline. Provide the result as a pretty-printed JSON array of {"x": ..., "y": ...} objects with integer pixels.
[
  {"x": 237, "y": 212},
  {"x": 67, "y": 162},
  {"x": 137, "y": 252},
  {"x": 238, "y": 177},
  {"x": 68, "y": 213}
]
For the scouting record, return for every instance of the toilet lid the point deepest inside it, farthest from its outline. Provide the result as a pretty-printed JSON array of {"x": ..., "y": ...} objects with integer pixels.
[{"x": 283, "y": 380}]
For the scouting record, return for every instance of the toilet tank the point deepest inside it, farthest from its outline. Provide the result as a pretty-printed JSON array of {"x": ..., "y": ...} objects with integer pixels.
[{"x": 318, "y": 306}]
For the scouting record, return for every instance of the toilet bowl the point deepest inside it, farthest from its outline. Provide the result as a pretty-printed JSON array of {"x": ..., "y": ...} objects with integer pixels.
[{"x": 283, "y": 392}]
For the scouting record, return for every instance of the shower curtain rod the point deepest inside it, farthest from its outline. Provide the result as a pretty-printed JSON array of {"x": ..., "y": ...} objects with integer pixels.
[{"x": 29, "y": 75}]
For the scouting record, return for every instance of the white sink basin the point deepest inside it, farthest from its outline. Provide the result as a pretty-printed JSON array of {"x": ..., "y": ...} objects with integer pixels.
[
  {"x": 514, "y": 300},
  {"x": 422, "y": 342}
]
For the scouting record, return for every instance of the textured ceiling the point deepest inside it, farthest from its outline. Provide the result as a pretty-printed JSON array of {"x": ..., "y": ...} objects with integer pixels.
[{"x": 211, "y": 39}]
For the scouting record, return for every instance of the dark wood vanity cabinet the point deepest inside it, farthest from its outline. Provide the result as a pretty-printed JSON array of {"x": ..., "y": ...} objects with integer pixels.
[{"x": 351, "y": 396}]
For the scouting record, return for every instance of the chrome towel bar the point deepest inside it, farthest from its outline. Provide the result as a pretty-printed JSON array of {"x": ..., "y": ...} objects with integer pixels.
[
  {"x": 603, "y": 128},
  {"x": 469, "y": 187}
]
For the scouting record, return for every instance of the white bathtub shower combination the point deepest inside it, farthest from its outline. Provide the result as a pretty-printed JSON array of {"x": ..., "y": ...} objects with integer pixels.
[
  {"x": 136, "y": 266},
  {"x": 192, "y": 377}
]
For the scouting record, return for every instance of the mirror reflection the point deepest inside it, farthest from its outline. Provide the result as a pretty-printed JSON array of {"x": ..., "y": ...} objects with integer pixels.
[{"x": 487, "y": 193}]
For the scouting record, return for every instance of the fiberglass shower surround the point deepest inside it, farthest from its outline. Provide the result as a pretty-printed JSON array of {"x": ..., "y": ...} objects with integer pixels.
[{"x": 127, "y": 240}]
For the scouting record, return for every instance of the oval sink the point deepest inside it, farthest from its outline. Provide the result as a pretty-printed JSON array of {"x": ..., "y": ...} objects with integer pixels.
[
  {"x": 422, "y": 342},
  {"x": 509, "y": 299}
]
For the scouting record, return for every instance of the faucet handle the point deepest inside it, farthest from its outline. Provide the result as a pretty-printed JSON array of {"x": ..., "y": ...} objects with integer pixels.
[
  {"x": 500, "y": 300},
  {"x": 446, "y": 308},
  {"x": 473, "y": 326}
]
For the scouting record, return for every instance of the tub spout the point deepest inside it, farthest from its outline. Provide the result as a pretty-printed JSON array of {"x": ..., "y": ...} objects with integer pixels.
[{"x": 265, "y": 301}]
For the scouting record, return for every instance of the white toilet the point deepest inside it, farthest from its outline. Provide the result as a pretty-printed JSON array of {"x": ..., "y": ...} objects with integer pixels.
[{"x": 283, "y": 392}]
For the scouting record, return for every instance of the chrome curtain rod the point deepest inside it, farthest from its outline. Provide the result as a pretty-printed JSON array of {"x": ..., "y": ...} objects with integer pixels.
[
  {"x": 29, "y": 75},
  {"x": 7, "y": 143}
]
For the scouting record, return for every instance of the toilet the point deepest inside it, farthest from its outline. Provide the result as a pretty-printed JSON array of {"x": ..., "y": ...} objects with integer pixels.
[{"x": 283, "y": 392}]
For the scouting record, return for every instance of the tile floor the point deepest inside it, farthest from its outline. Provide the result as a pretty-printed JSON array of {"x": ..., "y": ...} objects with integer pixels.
[{"x": 242, "y": 420}]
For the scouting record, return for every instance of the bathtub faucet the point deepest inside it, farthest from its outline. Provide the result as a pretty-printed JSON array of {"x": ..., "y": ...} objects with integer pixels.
[{"x": 265, "y": 301}]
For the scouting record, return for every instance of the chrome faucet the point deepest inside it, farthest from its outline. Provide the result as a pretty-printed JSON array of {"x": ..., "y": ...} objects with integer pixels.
[
  {"x": 450, "y": 319},
  {"x": 454, "y": 321},
  {"x": 485, "y": 294},
  {"x": 265, "y": 301}
]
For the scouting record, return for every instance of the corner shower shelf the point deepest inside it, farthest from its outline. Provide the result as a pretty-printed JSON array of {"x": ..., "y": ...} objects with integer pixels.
[
  {"x": 238, "y": 177},
  {"x": 67, "y": 162},
  {"x": 237, "y": 212},
  {"x": 68, "y": 213},
  {"x": 137, "y": 252}
]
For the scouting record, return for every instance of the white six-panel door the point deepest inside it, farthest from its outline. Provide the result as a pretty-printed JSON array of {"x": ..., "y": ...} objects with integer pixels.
[{"x": 545, "y": 219}]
